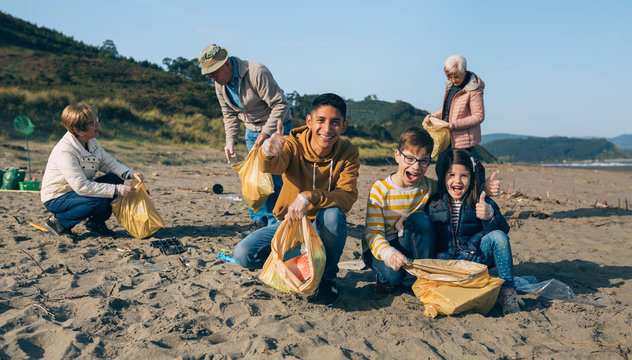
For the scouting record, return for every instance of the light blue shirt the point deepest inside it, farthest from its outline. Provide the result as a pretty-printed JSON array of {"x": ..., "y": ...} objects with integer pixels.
[{"x": 233, "y": 86}]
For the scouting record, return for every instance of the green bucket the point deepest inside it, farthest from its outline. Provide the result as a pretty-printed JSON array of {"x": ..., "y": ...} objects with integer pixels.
[{"x": 30, "y": 185}]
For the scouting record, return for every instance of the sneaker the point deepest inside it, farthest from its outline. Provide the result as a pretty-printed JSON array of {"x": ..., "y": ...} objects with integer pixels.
[
  {"x": 383, "y": 287},
  {"x": 55, "y": 227},
  {"x": 510, "y": 301},
  {"x": 254, "y": 226},
  {"x": 99, "y": 227},
  {"x": 327, "y": 293}
]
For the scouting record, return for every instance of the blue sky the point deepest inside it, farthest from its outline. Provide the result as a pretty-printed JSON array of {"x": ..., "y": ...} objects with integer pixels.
[{"x": 550, "y": 67}]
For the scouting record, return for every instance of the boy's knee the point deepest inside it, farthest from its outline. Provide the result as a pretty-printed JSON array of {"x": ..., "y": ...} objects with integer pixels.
[
  {"x": 418, "y": 222},
  {"x": 332, "y": 218},
  {"x": 240, "y": 254}
]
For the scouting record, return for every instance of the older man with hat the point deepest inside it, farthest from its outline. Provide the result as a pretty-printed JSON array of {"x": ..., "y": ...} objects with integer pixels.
[{"x": 247, "y": 92}]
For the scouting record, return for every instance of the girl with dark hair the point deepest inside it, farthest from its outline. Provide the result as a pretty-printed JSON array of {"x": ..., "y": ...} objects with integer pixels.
[{"x": 468, "y": 225}]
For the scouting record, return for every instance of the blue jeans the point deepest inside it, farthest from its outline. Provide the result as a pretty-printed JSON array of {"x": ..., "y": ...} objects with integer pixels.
[
  {"x": 417, "y": 243},
  {"x": 264, "y": 215},
  {"x": 331, "y": 226},
  {"x": 495, "y": 248},
  {"x": 71, "y": 208}
]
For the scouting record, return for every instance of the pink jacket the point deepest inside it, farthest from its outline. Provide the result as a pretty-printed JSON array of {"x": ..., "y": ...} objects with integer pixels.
[{"x": 466, "y": 114}]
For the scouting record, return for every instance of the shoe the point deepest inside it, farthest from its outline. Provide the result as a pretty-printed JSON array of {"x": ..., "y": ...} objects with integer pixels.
[
  {"x": 510, "y": 301},
  {"x": 99, "y": 227},
  {"x": 326, "y": 294},
  {"x": 55, "y": 227},
  {"x": 254, "y": 226},
  {"x": 383, "y": 287}
]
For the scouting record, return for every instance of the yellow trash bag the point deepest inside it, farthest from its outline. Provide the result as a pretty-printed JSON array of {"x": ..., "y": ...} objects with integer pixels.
[
  {"x": 136, "y": 213},
  {"x": 449, "y": 287},
  {"x": 256, "y": 185},
  {"x": 286, "y": 276},
  {"x": 440, "y": 134}
]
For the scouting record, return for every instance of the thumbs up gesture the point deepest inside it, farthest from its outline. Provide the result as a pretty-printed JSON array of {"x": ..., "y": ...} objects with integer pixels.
[
  {"x": 273, "y": 145},
  {"x": 492, "y": 185},
  {"x": 484, "y": 211}
]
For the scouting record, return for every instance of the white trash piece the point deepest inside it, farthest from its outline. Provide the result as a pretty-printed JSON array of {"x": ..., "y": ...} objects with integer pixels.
[{"x": 553, "y": 289}]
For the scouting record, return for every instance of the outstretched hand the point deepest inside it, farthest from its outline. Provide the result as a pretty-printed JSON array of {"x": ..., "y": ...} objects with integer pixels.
[
  {"x": 492, "y": 185},
  {"x": 484, "y": 211},
  {"x": 273, "y": 145},
  {"x": 396, "y": 260}
]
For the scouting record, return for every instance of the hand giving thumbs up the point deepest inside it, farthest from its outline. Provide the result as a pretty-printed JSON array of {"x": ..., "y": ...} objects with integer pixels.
[
  {"x": 273, "y": 145},
  {"x": 484, "y": 211}
]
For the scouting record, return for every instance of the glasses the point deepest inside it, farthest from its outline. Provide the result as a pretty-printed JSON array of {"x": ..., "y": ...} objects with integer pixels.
[{"x": 411, "y": 160}]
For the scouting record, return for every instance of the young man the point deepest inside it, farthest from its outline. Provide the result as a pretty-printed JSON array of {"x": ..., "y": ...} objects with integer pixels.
[
  {"x": 320, "y": 173},
  {"x": 247, "y": 92},
  {"x": 397, "y": 228}
]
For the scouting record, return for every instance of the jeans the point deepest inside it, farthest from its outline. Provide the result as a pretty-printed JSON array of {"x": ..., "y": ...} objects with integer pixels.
[
  {"x": 264, "y": 215},
  {"x": 331, "y": 226},
  {"x": 417, "y": 243},
  {"x": 71, "y": 208},
  {"x": 495, "y": 248}
]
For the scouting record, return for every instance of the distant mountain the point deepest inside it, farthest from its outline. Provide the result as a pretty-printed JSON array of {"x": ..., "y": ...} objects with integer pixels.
[
  {"x": 500, "y": 136},
  {"x": 623, "y": 141},
  {"x": 554, "y": 149}
]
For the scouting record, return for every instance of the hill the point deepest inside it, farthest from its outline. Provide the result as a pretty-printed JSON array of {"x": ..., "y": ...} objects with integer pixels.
[
  {"x": 554, "y": 149},
  {"x": 42, "y": 71},
  {"x": 624, "y": 142},
  {"x": 486, "y": 138}
]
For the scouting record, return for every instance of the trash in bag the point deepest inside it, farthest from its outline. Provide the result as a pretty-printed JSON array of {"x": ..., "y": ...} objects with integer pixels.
[
  {"x": 136, "y": 213},
  {"x": 553, "y": 289},
  {"x": 256, "y": 185},
  {"x": 302, "y": 273},
  {"x": 11, "y": 179},
  {"x": 440, "y": 134},
  {"x": 447, "y": 287}
]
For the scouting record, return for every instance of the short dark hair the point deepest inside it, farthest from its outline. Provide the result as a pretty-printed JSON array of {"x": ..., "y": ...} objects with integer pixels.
[
  {"x": 461, "y": 157},
  {"x": 416, "y": 136},
  {"x": 331, "y": 100}
]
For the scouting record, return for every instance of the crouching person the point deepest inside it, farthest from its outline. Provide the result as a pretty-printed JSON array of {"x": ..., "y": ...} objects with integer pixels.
[
  {"x": 69, "y": 188},
  {"x": 320, "y": 173}
]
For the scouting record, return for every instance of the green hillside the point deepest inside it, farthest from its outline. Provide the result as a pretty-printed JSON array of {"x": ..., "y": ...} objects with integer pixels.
[
  {"x": 42, "y": 71},
  {"x": 554, "y": 149}
]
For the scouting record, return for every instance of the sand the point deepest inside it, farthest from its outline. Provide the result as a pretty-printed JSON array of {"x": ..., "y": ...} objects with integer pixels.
[{"x": 98, "y": 297}]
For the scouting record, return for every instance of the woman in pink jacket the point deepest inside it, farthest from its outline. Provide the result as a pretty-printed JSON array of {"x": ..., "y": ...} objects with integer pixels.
[{"x": 462, "y": 104}]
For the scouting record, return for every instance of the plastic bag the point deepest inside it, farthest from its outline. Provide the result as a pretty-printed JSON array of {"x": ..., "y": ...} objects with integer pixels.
[
  {"x": 440, "y": 134},
  {"x": 136, "y": 213},
  {"x": 11, "y": 179},
  {"x": 554, "y": 289},
  {"x": 256, "y": 185},
  {"x": 300, "y": 274},
  {"x": 449, "y": 287}
]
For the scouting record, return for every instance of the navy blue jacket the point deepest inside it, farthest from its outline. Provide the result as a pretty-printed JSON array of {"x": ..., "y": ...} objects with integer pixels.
[{"x": 470, "y": 230}]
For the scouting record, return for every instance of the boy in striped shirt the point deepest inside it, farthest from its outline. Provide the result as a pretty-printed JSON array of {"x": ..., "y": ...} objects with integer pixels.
[{"x": 397, "y": 228}]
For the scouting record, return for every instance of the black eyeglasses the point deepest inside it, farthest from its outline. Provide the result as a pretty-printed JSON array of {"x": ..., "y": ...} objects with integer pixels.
[{"x": 411, "y": 160}]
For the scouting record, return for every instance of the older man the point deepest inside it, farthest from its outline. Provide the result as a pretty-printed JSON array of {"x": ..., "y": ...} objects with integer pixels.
[
  {"x": 247, "y": 92},
  {"x": 462, "y": 104}
]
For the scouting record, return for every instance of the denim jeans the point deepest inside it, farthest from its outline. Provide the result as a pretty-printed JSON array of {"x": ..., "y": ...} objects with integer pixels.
[
  {"x": 71, "y": 208},
  {"x": 417, "y": 243},
  {"x": 495, "y": 248},
  {"x": 330, "y": 224},
  {"x": 264, "y": 215}
]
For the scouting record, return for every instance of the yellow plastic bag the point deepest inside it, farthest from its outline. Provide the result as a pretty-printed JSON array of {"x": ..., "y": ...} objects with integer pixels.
[
  {"x": 256, "y": 185},
  {"x": 285, "y": 276},
  {"x": 449, "y": 287},
  {"x": 440, "y": 134},
  {"x": 136, "y": 213}
]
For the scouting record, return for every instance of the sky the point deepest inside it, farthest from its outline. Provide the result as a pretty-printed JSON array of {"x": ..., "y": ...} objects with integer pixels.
[{"x": 550, "y": 68}]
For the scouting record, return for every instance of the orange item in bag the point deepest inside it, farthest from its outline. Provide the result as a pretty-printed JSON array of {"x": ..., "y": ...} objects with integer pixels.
[{"x": 299, "y": 266}]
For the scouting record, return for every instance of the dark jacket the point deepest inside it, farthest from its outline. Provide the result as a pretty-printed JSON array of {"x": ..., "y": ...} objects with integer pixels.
[{"x": 470, "y": 229}]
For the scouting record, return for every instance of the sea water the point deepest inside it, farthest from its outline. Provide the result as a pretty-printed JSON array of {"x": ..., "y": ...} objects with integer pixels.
[{"x": 617, "y": 164}]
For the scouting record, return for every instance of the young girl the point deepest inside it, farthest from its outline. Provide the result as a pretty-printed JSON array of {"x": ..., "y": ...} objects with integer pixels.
[{"x": 468, "y": 225}]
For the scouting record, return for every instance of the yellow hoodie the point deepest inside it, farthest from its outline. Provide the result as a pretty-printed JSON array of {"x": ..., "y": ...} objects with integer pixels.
[{"x": 331, "y": 180}]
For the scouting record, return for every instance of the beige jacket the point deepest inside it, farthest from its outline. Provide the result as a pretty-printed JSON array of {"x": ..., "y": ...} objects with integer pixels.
[
  {"x": 71, "y": 167},
  {"x": 262, "y": 100}
]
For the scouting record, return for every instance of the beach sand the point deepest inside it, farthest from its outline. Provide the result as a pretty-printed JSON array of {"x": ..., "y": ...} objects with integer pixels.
[{"x": 98, "y": 297}]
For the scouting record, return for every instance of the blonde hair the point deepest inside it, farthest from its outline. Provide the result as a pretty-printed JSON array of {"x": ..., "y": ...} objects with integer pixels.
[{"x": 77, "y": 117}]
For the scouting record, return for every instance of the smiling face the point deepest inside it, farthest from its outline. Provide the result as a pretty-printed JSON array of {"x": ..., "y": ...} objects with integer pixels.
[
  {"x": 327, "y": 124},
  {"x": 407, "y": 174},
  {"x": 457, "y": 181}
]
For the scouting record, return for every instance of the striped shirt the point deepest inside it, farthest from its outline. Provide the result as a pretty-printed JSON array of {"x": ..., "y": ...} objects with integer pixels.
[
  {"x": 456, "y": 213},
  {"x": 386, "y": 204}
]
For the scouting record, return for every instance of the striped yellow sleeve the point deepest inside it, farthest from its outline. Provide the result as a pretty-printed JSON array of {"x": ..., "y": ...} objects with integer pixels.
[{"x": 374, "y": 229}]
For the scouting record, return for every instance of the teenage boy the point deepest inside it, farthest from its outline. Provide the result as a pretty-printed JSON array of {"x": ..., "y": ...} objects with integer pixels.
[
  {"x": 320, "y": 173},
  {"x": 397, "y": 229}
]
